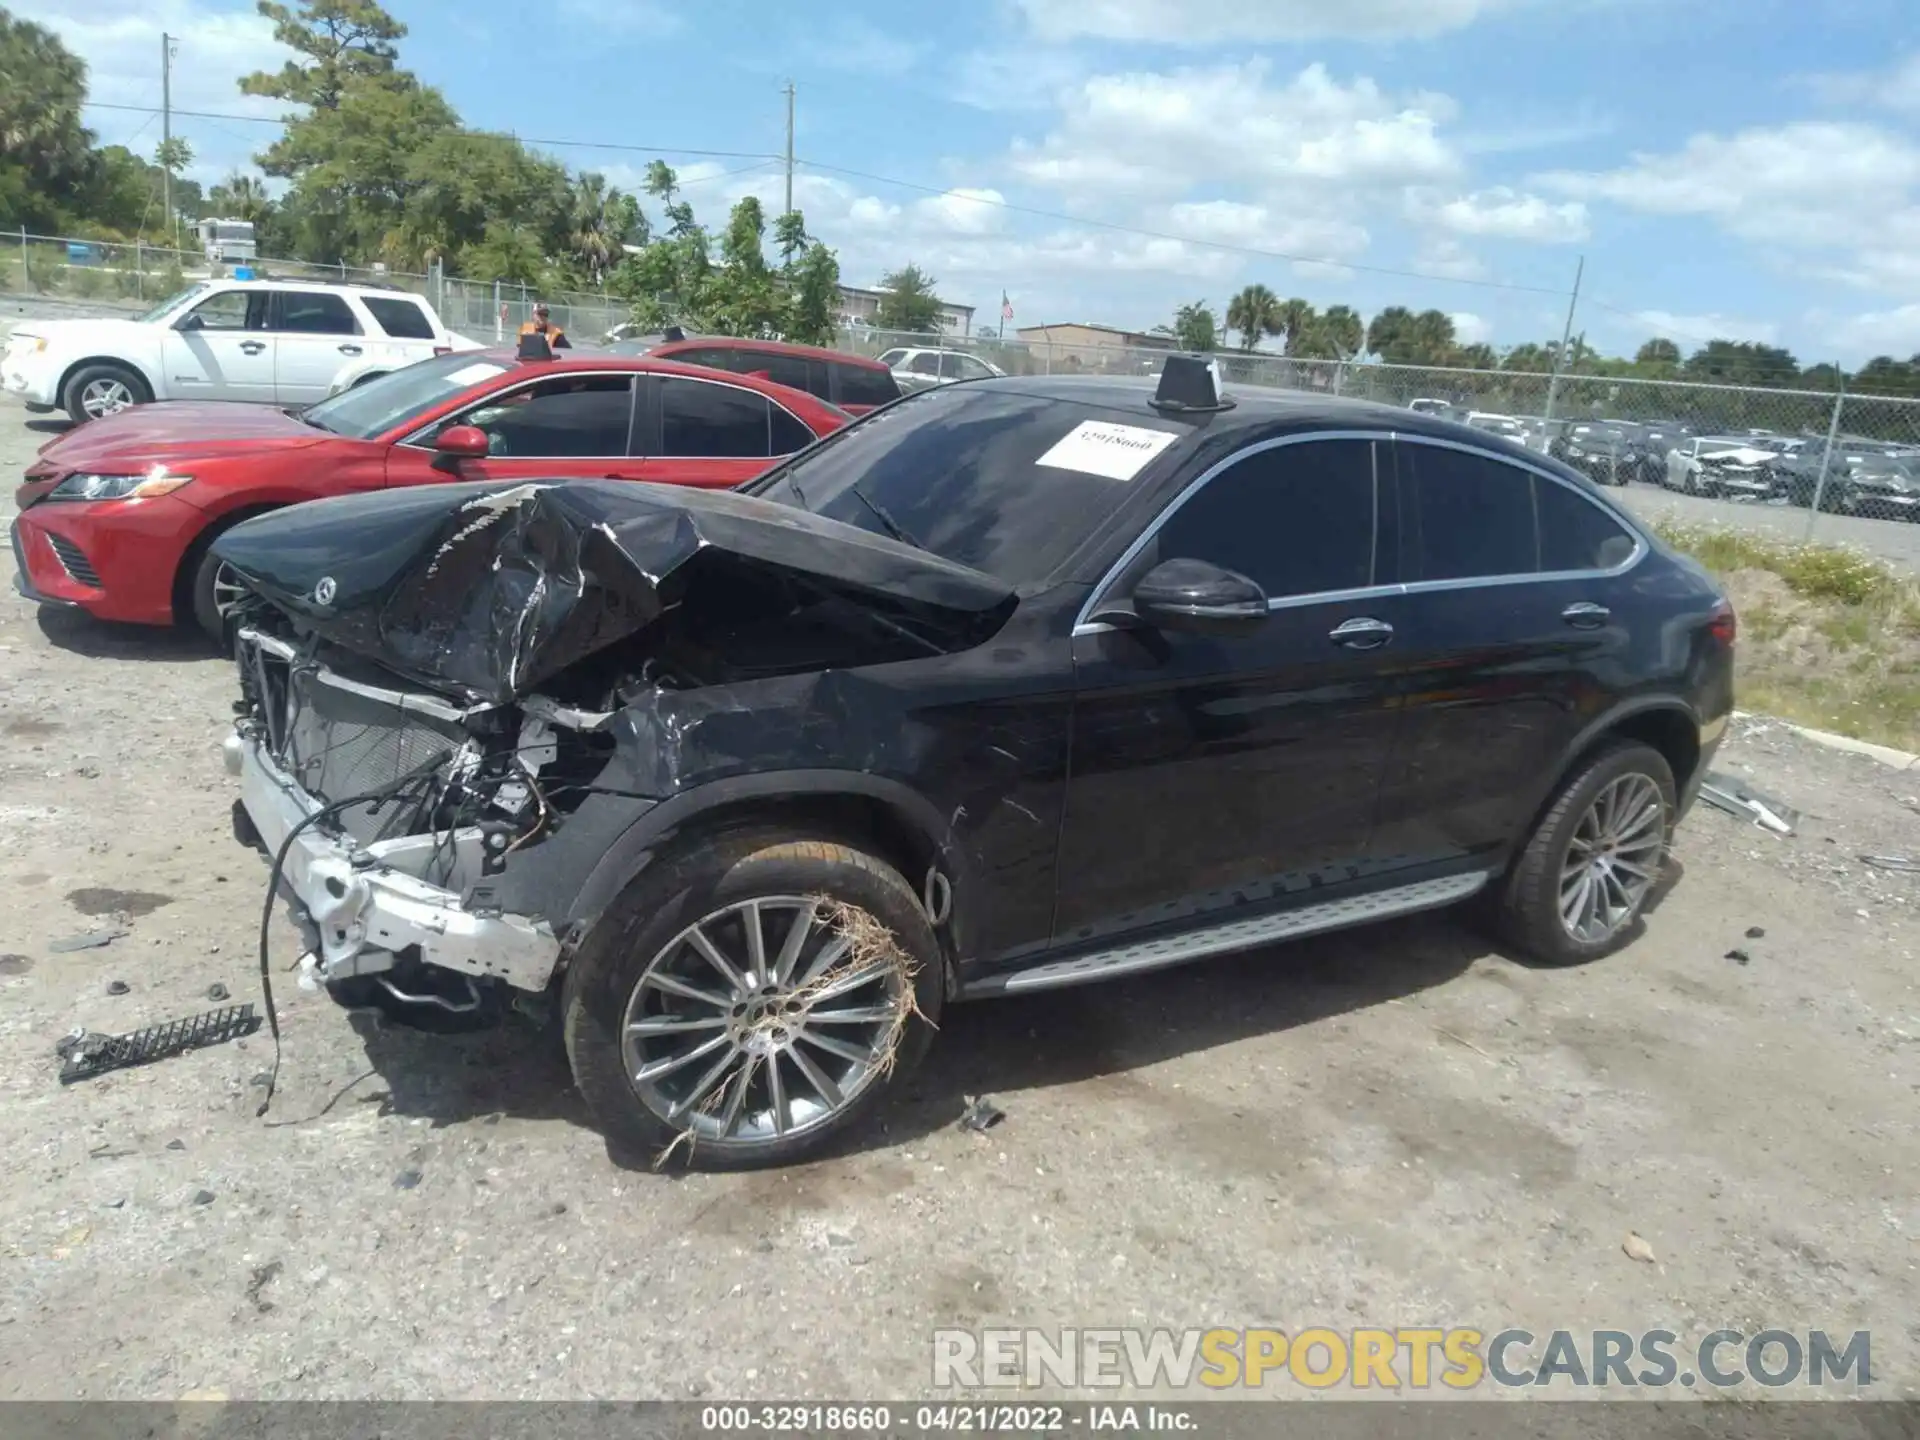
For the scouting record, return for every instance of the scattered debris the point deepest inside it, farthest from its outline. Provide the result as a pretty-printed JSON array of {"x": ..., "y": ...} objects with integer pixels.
[
  {"x": 1460, "y": 1040},
  {"x": 836, "y": 1238},
  {"x": 1637, "y": 1248},
  {"x": 217, "y": 991},
  {"x": 88, "y": 1054},
  {"x": 92, "y": 940},
  {"x": 118, "y": 987},
  {"x": 559, "y": 1207},
  {"x": 15, "y": 964},
  {"x": 176, "y": 1144},
  {"x": 981, "y": 1114},
  {"x": 203, "y": 1197},
  {"x": 1736, "y": 797},
  {"x": 1900, "y": 863},
  {"x": 406, "y": 1180},
  {"x": 1755, "y": 932},
  {"x": 69, "y": 1042},
  {"x": 263, "y": 1276},
  {"x": 1739, "y": 957}
]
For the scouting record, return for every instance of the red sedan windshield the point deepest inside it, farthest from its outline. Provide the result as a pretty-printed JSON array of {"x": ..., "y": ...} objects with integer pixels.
[{"x": 380, "y": 405}]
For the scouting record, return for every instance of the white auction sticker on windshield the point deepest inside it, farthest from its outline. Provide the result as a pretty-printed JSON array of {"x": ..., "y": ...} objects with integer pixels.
[
  {"x": 474, "y": 374},
  {"x": 1114, "y": 452}
]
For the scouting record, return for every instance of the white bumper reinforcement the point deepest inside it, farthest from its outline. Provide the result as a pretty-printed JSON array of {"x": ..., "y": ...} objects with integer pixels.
[{"x": 367, "y": 912}]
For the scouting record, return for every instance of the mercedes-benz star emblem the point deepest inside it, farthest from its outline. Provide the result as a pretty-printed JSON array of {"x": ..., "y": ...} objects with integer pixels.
[{"x": 323, "y": 592}]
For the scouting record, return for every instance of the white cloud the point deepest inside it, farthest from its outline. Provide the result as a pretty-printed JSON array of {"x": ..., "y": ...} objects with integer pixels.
[
  {"x": 1697, "y": 329},
  {"x": 1147, "y": 133},
  {"x": 1450, "y": 260},
  {"x": 859, "y": 48},
  {"x": 1855, "y": 338},
  {"x": 1508, "y": 214},
  {"x": 1844, "y": 188},
  {"x": 1470, "y": 329},
  {"x": 1214, "y": 22},
  {"x": 1895, "y": 88},
  {"x": 964, "y": 211}
]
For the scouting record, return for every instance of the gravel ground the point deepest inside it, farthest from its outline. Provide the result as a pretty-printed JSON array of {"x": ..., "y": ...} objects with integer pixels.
[{"x": 1396, "y": 1126}]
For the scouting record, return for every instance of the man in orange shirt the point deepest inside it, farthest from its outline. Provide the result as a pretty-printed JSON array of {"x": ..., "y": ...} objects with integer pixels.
[{"x": 542, "y": 325}]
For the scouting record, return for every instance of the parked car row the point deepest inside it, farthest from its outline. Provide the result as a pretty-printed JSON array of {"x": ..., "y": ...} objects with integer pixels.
[{"x": 746, "y": 774}]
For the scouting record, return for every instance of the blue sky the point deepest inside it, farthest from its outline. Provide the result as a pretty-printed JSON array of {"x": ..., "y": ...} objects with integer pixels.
[{"x": 1747, "y": 168}]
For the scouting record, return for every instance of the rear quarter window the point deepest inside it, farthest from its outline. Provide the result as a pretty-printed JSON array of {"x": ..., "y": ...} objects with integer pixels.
[
  {"x": 858, "y": 385},
  {"x": 402, "y": 319}
]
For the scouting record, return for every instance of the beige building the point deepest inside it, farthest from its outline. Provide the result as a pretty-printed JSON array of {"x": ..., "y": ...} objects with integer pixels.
[
  {"x": 862, "y": 308},
  {"x": 1093, "y": 347}
]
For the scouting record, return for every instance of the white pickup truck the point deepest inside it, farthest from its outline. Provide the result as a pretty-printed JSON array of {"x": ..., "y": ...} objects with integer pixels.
[{"x": 283, "y": 342}]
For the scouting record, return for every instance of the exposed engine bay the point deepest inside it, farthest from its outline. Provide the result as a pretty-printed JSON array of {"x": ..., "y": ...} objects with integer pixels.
[{"x": 455, "y": 701}]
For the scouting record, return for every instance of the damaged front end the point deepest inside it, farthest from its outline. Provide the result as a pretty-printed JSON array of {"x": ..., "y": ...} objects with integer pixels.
[{"x": 459, "y": 702}]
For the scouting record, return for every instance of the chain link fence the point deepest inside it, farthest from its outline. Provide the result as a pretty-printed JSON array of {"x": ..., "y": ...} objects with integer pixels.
[{"x": 1826, "y": 454}]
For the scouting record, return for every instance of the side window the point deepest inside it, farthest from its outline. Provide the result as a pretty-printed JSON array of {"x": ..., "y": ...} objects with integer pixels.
[
  {"x": 1475, "y": 514},
  {"x": 861, "y": 386},
  {"x": 972, "y": 369},
  {"x": 925, "y": 363},
  {"x": 1299, "y": 519},
  {"x": 402, "y": 319},
  {"x": 305, "y": 312},
  {"x": 701, "y": 420},
  {"x": 891, "y": 358},
  {"x": 712, "y": 359},
  {"x": 789, "y": 434},
  {"x": 781, "y": 369},
  {"x": 1576, "y": 534},
  {"x": 568, "y": 417},
  {"x": 226, "y": 311}
]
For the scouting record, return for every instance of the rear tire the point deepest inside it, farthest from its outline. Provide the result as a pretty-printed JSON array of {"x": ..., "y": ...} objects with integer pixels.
[
  {"x": 1531, "y": 908},
  {"x": 731, "y": 1073},
  {"x": 102, "y": 388}
]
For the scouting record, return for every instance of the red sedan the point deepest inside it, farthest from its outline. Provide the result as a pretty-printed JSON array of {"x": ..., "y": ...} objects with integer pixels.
[{"x": 117, "y": 514}]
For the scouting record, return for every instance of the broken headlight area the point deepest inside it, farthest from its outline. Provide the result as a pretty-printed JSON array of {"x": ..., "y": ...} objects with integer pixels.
[{"x": 457, "y": 700}]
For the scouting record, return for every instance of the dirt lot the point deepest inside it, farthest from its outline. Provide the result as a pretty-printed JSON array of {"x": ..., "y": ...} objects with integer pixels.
[{"x": 1396, "y": 1126}]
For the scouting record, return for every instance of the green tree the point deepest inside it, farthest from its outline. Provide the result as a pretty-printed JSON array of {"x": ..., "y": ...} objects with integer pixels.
[
  {"x": 907, "y": 301},
  {"x": 45, "y": 152},
  {"x": 1742, "y": 362},
  {"x": 1194, "y": 328},
  {"x": 1296, "y": 319},
  {"x": 602, "y": 218},
  {"x": 509, "y": 253},
  {"x": 813, "y": 291},
  {"x": 790, "y": 237},
  {"x": 1255, "y": 313},
  {"x": 341, "y": 40},
  {"x": 1335, "y": 334},
  {"x": 1658, "y": 354},
  {"x": 1400, "y": 337}
]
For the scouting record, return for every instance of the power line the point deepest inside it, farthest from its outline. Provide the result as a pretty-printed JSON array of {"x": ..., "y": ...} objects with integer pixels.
[
  {"x": 477, "y": 134},
  {"x": 1179, "y": 239}
]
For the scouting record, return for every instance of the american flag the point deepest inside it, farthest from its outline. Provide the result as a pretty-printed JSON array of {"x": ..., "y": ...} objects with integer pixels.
[{"x": 1006, "y": 306}]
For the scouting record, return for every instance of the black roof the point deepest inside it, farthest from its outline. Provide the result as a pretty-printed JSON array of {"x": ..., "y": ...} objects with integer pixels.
[{"x": 1257, "y": 407}]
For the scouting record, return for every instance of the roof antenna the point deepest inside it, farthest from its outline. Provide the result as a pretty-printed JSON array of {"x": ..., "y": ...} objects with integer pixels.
[{"x": 1190, "y": 384}]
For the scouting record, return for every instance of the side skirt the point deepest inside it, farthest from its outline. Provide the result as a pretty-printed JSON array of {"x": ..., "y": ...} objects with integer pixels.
[{"x": 1160, "y": 952}]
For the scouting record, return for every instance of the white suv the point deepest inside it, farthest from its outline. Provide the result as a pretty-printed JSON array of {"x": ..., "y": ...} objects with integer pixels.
[
  {"x": 921, "y": 369},
  {"x": 280, "y": 341}
]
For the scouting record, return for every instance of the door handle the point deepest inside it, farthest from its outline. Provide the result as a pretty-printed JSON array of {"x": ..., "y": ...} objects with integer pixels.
[
  {"x": 349, "y": 349},
  {"x": 1585, "y": 615},
  {"x": 1362, "y": 632},
  {"x": 252, "y": 347}
]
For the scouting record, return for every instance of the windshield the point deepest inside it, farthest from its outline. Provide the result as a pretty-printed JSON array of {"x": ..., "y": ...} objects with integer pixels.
[
  {"x": 172, "y": 300},
  {"x": 955, "y": 471},
  {"x": 381, "y": 405},
  {"x": 1883, "y": 465}
]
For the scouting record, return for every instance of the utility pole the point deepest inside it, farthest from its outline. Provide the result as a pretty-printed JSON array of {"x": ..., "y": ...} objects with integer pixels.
[
  {"x": 166, "y": 135},
  {"x": 1560, "y": 356},
  {"x": 789, "y": 209}
]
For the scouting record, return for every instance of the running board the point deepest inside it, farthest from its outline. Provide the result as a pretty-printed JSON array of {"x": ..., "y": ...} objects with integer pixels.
[{"x": 1168, "y": 950}]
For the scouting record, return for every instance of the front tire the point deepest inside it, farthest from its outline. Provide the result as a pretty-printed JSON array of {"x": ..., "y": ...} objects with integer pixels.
[
  {"x": 1576, "y": 891},
  {"x": 750, "y": 997},
  {"x": 102, "y": 388}
]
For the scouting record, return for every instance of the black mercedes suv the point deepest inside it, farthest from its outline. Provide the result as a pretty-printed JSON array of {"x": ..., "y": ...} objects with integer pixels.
[{"x": 1012, "y": 684}]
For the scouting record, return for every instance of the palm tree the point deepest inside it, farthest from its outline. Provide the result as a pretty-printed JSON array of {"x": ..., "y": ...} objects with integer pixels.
[
  {"x": 1294, "y": 319},
  {"x": 598, "y": 224},
  {"x": 1340, "y": 332},
  {"x": 1254, "y": 312}
]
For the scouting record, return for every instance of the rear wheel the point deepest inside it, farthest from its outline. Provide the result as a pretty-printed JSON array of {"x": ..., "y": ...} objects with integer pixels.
[
  {"x": 102, "y": 388},
  {"x": 1576, "y": 892},
  {"x": 750, "y": 998}
]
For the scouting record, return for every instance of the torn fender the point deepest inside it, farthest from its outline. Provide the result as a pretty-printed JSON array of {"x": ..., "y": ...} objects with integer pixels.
[{"x": 489, "y": 589}]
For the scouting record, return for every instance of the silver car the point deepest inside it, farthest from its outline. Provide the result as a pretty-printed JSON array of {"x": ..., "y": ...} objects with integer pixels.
[{"x": 915, "y": 369}]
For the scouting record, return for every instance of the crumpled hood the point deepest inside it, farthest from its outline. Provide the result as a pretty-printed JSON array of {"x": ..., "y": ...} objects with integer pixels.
[
  {"x": 491, "y": 588},
  {"x": 1738, "y": 457}
]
